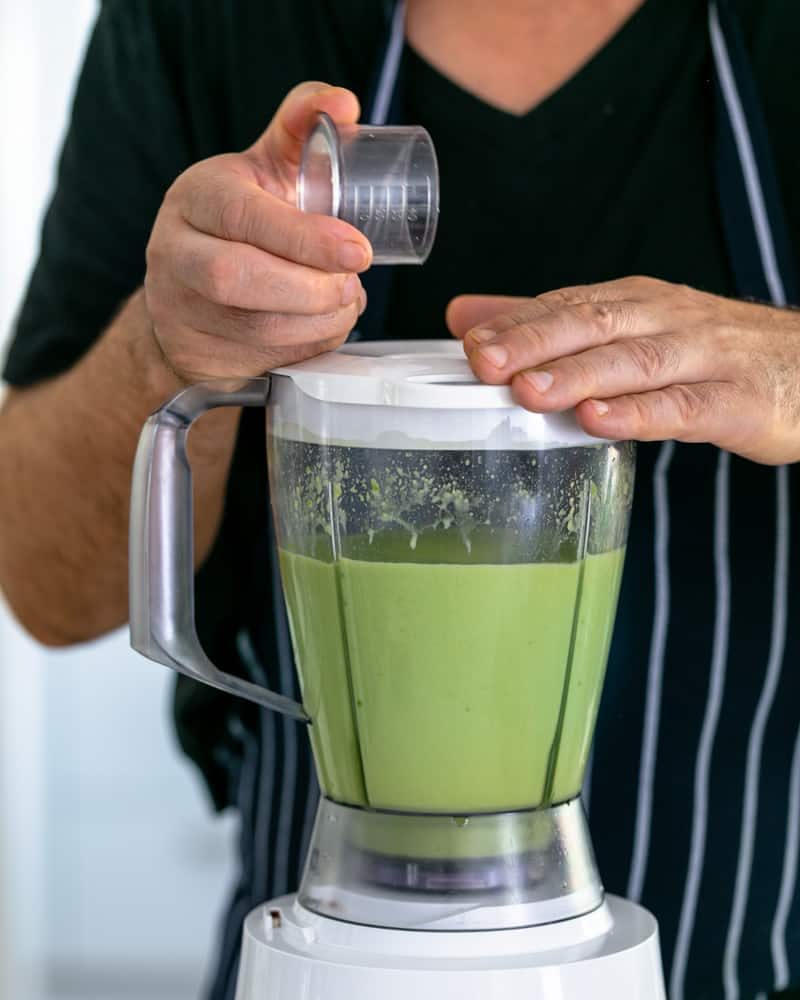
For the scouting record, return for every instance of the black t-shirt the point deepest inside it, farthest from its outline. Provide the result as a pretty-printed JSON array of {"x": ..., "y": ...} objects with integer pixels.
[{"x": 611, "y": 175}]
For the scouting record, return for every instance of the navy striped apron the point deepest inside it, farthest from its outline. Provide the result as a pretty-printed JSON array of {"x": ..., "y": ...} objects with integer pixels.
[{"x": 277, "y": 788}]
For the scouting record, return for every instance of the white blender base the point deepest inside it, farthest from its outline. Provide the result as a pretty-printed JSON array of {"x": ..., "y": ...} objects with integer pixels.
[{"x": 290, "y": 953}]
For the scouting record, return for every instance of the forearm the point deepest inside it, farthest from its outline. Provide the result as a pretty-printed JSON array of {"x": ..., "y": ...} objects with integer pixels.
[{"x": 66, "y": 455}]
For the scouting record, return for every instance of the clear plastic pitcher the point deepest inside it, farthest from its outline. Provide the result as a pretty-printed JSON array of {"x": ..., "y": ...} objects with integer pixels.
[{"x": 451, "y": 565}]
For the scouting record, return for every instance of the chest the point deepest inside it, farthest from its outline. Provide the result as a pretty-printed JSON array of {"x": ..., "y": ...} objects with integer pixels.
[
  {"x": 512, "y": 55},
  {"x": 598, "y": 182}
]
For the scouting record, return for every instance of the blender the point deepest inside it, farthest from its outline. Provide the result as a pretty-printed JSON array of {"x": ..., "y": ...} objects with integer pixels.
[{"x": 451, "y": 565}]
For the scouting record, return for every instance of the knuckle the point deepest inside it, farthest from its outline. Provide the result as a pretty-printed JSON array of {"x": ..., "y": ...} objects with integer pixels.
[
  {"x": 516, "y": 317},
  {"x": 220, "y": 279},
  {"x": 643, "y": 283},
  {"x": 322, "y": 294},
  {"x": 306, "y": 88},
  {"x": 234, "y": 215},
  {"x": 335, "y": 340},
  {"x": 532, "y": 335},
  {"x": 557, "y": 299},
  {"x": 162, "y": 297},
  {"x": 151, "y": 287},
  {"x": 253, "y": 325},
  {"x": 584, "y": 371},
  {"x": 688, "y": 403},
  {"x": 277, "y": 290},
  {"x": 177, "y": 189},
  {"x": 326, "y": 292},
  {"x": 341, "y": 322},
  {"x": 639, "y": 415},
  {"x": 156, "y": 305},
  {"x": 154, "y": 255},
  {"x": 598, "y": 317},
  {"x": 686, "y": 290},
  {"x": 653, "y": 357},
  {"x": 299, "y": 243}
]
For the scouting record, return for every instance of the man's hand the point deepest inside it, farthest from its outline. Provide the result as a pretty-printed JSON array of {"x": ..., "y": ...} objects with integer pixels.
[
  {"x": 647, "y": 360},
  {"x": 239, "y": 280}
]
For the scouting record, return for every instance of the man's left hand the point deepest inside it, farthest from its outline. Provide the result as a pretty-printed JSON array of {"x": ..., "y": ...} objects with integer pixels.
[{"x": 647, "y": 360}]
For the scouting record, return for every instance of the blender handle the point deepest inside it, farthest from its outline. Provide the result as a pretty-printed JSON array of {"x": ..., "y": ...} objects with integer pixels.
[{"x": 161, "y": 544}]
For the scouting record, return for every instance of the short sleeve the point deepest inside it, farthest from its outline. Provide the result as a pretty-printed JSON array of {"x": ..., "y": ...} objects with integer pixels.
[{"x": 124, "y": 145}]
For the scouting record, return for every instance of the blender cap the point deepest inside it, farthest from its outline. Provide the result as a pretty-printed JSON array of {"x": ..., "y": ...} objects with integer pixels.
[
  {"x": 428, "y": 373},
  {"x": 416, "y": 377}
]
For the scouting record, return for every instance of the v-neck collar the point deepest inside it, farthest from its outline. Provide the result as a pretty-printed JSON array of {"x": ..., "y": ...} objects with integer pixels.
[{"x": 596, "y": 87}]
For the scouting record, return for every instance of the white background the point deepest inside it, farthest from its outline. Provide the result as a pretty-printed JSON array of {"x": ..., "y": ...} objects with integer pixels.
[{"x": 112, "y": 869}]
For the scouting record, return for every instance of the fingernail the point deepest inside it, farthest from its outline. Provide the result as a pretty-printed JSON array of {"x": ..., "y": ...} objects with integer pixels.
[
  {"x": 352, "y": 256},
  {"x": 600, "y": 408},
  {"x": 495, "y": 355},
  {"x": 480, "y": 336},
  {"x": 363, "y": 304},
  {"x": 351, "y": 289},
  {"x": 541, "y": 381}
]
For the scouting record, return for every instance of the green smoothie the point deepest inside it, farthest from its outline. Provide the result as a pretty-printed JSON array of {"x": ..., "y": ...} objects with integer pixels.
[{"x": 439, "y": 686}]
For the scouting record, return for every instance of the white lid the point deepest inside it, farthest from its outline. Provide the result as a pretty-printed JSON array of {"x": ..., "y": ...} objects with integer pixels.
[
  {"x": 429, "y": 373},
  {"x": 406, "y": 380}
]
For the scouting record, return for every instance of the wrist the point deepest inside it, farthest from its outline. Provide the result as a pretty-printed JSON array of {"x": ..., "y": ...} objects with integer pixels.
[
  {"x": 211, "y": 439},
  {"x": 145, "y": 354}
]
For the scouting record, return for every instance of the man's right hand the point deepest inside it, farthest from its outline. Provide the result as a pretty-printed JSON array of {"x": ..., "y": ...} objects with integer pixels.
[{"x": 239, "y": 280}]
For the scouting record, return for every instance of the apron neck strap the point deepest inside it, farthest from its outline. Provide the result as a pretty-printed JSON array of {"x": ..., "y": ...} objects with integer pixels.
[
  {"x": 753, "y": 217},
  {"x": 385, "y": 89},
  {"x": 385, "y": 104}
]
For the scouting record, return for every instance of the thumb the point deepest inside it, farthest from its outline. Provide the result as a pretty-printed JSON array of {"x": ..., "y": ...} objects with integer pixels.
[
  {"x": 468, "y": 311},
  {"x": 280, "y": 147}
]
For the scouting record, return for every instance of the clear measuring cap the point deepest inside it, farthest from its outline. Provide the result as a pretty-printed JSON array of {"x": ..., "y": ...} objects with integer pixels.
[{"x": 384, "y": 180}]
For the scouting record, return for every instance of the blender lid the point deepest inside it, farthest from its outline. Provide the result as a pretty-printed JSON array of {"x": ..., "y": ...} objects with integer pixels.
[
  {"x": 426, "y": 373},
  {"x": 416, "y": 376}
]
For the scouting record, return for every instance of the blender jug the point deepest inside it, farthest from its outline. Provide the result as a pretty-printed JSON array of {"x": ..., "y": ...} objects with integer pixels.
[{"x": 451, "y": 565}]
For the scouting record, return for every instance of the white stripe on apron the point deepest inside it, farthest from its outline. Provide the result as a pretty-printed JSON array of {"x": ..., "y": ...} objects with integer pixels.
[
  {"x": 655, "y": 673},
  {"x": 747, "y": 159},
  {"x": 391, "y": 64},
  {"x": 756, "y": 740},
  {"x": 708, "y": 732},
  {"x": 780, "y": 958}
]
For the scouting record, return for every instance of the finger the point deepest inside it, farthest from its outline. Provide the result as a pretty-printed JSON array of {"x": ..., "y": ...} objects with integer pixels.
[
  {"x": 281, "y": 145},
  {"x": 633, "y": 288},
  {"x": 241, "y": 276},
  {"x": 242, "y": 212},
  {"x": 211, "y": 342},
  {"x": 467, "y": 311},
  {"x": 215, "y": 357},
  {"x": 716, "y": 412},
  {"x": 652, "y": 291},
  {"x": 268, "y": 330},
  {"x": 627, "y": 366},
  {"x": 531, "y": 340}
]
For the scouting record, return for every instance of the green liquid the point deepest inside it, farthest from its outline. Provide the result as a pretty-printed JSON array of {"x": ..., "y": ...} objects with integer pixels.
[{"x": 439, "y": 686}]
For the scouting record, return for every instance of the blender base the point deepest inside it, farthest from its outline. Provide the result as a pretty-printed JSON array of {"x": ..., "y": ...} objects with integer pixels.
[{"x": 290, "y": 953}]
